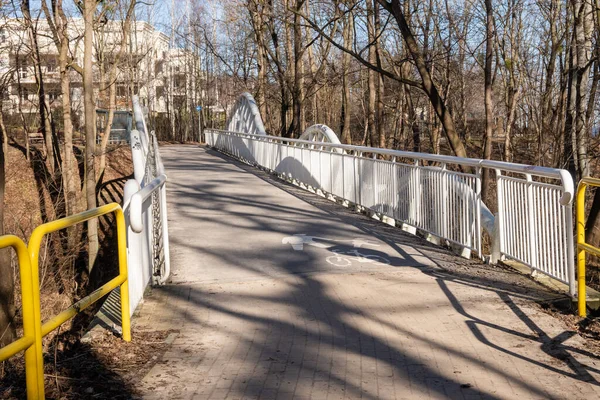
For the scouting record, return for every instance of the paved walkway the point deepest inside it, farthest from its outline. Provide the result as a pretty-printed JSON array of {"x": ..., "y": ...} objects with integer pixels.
[{"x": 277, "y": 293}]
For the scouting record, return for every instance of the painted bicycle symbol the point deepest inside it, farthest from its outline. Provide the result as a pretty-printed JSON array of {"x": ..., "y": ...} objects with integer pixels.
[{"x": 345, "y": 258}]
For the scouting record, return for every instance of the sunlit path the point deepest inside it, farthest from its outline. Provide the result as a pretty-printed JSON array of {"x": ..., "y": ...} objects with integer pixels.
[{"x": 278, "y": 293}]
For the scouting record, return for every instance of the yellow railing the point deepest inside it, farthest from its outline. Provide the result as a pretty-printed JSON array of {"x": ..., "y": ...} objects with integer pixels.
[
  {"x": 582, "y": 246},
  {"x": 31, "y": 342},
  {"x": 33, "y": 329}
]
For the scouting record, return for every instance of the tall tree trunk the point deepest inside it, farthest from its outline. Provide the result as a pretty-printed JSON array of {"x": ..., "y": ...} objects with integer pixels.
[
  {"x": 90, "y": 129},
  {"x": 7, "y": 284},
  {"x": 49, "y": 138},
  {"x": 372, "y": 76},
  {"x": 256, "y": 10},
  {"x": 65, "y": 87},
  {"x": 513, "y": 98},
  {"x": 346, "y": 100},
  {"x": 299, "y": 121},
  {"x": 379, "y": 109},
  {"x": 290, "y": 72},
  {"x": 488, "y": 92},
  {"x": 20, "y": 110},
  {"x": 575, "y": 142},
  {"x": 584, "y": 31},
  {"x": 592, "y": 226}
]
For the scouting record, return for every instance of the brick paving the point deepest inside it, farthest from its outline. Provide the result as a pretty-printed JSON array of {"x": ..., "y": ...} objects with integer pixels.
[{"x": 256, "y": 319}]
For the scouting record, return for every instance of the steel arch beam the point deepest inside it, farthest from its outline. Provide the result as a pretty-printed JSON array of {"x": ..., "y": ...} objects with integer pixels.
[
  {"x": 320, "y": 133},
  {"x": 245, "y": 116}
]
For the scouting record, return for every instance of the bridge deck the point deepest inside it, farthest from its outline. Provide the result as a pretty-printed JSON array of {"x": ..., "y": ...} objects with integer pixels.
[{"x": 361, "y": 310}]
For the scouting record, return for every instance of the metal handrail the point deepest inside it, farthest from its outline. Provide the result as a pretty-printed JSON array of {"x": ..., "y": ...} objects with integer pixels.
[
  {"x": 33, "y": 328},
  {"x": 554, "y": 173},
  {"x": 138, "y": 199}
]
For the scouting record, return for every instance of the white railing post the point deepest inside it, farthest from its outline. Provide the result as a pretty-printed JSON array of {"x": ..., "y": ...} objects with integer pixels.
[
  {"x": 498, "y": 236},
  {"x": 477, "y": 216},
  {"x": 165, "y": 235},
  {"x": 396, "y": 196},
  {"x": 414, "y": 202},
  {"x": 533, "y": 254},
  {"x": 445, "y": 218}
]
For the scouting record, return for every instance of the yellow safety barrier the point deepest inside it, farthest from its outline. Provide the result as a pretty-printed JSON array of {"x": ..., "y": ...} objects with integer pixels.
[
  {"x": 33, "y": 328},
  {"x": 582, "y": 246},
  {"x": 31, "y": 342}
]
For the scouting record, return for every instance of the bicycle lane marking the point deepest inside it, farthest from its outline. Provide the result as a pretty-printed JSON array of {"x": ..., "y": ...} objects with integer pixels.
[{"x": 340, "y": 258}]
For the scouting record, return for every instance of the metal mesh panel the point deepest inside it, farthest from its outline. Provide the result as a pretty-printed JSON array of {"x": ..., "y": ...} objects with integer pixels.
[{"x": 157, "y": 248}]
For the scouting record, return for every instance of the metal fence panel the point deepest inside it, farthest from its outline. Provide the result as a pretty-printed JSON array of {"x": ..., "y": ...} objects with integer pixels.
[{"x": 439, "y": 195}]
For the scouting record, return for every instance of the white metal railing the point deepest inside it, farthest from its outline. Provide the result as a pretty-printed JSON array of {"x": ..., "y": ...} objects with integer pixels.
[
  {"x": 436, "y": 194},
  {"x": 145, "y": 207}
]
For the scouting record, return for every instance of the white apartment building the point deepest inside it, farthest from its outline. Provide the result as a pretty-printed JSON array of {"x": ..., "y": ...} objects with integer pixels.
[{"x": 159, "y": 74}]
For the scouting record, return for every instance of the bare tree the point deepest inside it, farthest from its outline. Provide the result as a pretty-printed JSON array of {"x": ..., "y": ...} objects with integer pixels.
[
  {"x": 489, "y": 72},
  {"x": 89, "y": 10}
]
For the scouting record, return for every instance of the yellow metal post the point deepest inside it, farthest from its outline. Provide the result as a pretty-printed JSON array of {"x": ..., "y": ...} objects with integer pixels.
[
  {"x": 582, "y": 246},
  {"x": 581, "y": 303},
  {"x": 34, "y": 248},
  {"x": 123, "y": 271},
  {"x": 33, "y": 330},
  {"x": 32, "y": 342}
]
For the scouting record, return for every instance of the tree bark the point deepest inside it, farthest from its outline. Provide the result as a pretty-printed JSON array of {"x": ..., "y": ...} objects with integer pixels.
[
  {"x": 575, "y": 137},
  {"x": 90, "y": 129},
  {"x": 488, "y": 95},
  {"x": 65, "y": 86},
  {"x": 372, "y": 77},
  {"x": 51, "y": 142},
  {"x": 346, "y": 100},
  {"x": 7, "y": 284},
  {"x": 299, "y": 121}
]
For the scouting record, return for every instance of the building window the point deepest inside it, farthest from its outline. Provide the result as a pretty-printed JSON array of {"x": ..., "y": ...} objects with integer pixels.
[
  {"x": 179, "y": 82},
  {"x": 121, "y": 90},
  {"x": 22, "y": 71},
  {"x": 51, "y": 66}
]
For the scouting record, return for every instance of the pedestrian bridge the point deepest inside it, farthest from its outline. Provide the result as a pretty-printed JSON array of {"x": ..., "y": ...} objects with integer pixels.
[{"x": 305, "y": 268}]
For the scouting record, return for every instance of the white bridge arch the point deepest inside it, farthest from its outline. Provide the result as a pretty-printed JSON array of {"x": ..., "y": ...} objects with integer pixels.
[
  {"x": 245, "y": 116},
  {"x": 320, "y": 133}
]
